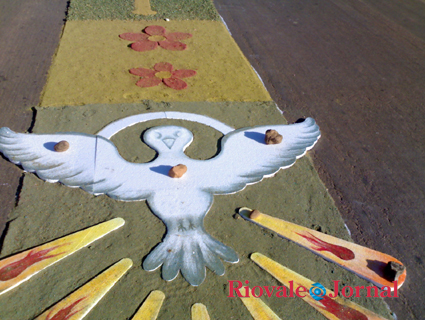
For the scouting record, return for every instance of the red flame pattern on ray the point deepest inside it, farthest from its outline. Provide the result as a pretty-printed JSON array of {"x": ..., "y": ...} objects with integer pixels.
[
  {"x": 65, "y": 313},
  {"x": 341, "y": 252},
  {"x": 14, "y": 269},
  {"x": 341, "y": 311}
]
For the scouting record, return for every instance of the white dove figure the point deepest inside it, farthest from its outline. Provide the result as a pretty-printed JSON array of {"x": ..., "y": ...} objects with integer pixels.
[{"x": 93, "y": 163}]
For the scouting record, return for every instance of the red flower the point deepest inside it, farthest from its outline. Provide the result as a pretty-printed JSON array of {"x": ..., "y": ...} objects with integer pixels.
[
  {"x": 154, "y": 36},
  {"x": 162, "y": 72}
]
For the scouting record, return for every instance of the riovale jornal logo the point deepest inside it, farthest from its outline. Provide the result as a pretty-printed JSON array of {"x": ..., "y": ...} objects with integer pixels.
[{"x": 317, "y": 291}]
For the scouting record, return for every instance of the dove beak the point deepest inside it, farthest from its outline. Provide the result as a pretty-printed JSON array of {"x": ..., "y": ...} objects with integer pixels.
[{"x": 169, "y": 142}]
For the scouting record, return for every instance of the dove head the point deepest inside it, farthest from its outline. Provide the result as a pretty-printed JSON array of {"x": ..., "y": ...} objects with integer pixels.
[{"x": 165, "y": 139}]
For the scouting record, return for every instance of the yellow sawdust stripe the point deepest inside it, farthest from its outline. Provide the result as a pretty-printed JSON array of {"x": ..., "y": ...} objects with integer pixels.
[
  {"x": 151, "y": 307},
  {"x": 200, "y": 312},
  {"x": 78, "y": 304},
  {"x": 22, "y": 266},
  {"x": 92, "y": 65},
  {"x": 349, "y": 255},
  {"x": 143, "y": 7},
  {"x": 258, "y": 309}
]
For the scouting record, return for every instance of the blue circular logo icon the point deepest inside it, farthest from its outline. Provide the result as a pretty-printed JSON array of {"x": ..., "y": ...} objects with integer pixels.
[{"x": 317, "y": 291}]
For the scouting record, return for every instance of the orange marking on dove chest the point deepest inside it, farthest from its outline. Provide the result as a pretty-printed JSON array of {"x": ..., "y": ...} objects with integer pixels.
[{"x": 341, "y": 252}]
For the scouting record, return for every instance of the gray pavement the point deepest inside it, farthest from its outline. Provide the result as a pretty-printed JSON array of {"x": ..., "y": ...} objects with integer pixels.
[
  {"x": 29, "y": 34},
  {"x": 358, "y": 68}
]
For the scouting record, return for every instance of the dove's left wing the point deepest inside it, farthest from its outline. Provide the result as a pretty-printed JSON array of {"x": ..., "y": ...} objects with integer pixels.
[
  {"x": 245, "y": 158},
  {"x": 92, "y": 163}
]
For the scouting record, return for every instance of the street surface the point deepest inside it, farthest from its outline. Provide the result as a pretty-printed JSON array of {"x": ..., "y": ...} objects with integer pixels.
[
  {"x": 358, "y": 68},
  {"x": 29, "y": 34}
]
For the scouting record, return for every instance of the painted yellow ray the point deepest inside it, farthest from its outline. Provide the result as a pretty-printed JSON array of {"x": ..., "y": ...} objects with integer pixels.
[
  {"x": 200, "y": 312},
  {"x": 22, "y": 266},
  {"x": 150, "y": 308},
  {"x": 258, "y": 309},
  {"x": 78, "y": 304},
  {"x": 331, "y": 307},
  {"x": 367, "y": 263},
  {"x": 143, "y": 7}
]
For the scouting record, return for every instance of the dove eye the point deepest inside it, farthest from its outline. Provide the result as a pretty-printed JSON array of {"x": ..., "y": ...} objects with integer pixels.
[
  {"x": 158, "y": 135},
  {"x": 178, "y": 134}
]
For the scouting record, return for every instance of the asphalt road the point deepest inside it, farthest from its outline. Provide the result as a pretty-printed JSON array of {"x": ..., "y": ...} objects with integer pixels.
[
  {"x": 29, "y": 33},
  {"x": 358, "y": 68}
]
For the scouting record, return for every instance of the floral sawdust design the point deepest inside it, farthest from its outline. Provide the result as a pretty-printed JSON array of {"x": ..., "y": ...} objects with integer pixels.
[
  {"x": 162, "y": 72},
  {"x": 154, "y": 36}
]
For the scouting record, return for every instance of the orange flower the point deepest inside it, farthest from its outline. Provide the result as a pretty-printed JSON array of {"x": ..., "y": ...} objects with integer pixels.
[
  {"x": 162, "y": 72},
  {"x": 154, "y": 36}
]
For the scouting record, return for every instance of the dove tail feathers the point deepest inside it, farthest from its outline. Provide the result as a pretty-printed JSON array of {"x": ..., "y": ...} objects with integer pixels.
[{"x": 189, "y": 254}]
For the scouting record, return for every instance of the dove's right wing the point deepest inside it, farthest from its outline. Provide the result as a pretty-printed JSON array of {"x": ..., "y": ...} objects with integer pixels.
[
  {"x": 245, "y": 158},
  {"x": 91, "y": 163}
]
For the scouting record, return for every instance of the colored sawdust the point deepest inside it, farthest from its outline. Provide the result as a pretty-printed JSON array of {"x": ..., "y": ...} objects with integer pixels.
[
  {"x": 92, "y": 66},
  {"x": 47, "y": 211},
  {"x": 162, "y": 72},
  {"x": 143, "y": 7},
  {"x": 124, "y": 9},
  {"x": 154, "y": 36}
]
